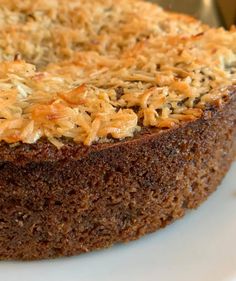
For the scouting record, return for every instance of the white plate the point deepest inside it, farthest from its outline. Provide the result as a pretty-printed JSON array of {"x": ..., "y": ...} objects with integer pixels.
[{"x": 199, "y": 247}]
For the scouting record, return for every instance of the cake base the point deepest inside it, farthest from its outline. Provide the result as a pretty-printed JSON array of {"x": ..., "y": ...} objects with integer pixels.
[{"x": 62, "y": 203}]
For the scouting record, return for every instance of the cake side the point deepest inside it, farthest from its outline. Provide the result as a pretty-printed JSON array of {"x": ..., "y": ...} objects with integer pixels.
[{"x": 68, "y": 206}]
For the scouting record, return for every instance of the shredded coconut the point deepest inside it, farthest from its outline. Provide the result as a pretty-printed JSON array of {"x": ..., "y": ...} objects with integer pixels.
[{"x": 95, "y": 70}]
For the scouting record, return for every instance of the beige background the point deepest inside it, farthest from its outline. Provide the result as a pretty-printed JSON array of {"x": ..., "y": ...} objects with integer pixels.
[
  {"x": 228, "y": 11},
  {"x": 215, "y": 13}
]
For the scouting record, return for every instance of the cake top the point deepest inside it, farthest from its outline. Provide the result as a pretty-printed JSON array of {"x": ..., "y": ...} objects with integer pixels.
[{"x": 98, "y": 70}]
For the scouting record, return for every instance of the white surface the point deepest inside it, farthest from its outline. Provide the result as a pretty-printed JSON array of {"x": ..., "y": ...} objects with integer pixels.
[{"x": 199, "y": 247}]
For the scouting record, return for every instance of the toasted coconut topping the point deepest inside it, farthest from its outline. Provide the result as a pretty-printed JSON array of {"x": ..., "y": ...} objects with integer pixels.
[{"x": 100, "y": 70}]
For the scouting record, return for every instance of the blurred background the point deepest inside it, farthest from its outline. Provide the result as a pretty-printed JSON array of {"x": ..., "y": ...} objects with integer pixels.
[{"x": 212, "y": 12}]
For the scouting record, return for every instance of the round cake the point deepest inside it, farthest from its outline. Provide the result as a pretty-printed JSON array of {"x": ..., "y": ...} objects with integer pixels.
[{"x": 115, "y": 118}]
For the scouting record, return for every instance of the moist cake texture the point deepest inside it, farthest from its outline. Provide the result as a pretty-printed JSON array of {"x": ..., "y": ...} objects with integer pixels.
[{"x": 115, "y": 117}]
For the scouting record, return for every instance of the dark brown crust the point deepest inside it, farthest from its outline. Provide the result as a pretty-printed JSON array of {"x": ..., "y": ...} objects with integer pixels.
[
  {"x": 64, "y": 202},
  {"x": 44, "y": 151}
]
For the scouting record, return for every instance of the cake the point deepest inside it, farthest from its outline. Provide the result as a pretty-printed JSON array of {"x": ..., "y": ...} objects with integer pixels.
[{"x": 116, "y": 117}]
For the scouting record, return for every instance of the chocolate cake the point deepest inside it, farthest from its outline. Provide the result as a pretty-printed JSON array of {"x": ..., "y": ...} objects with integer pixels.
[{"x": 115, "y": 118}]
